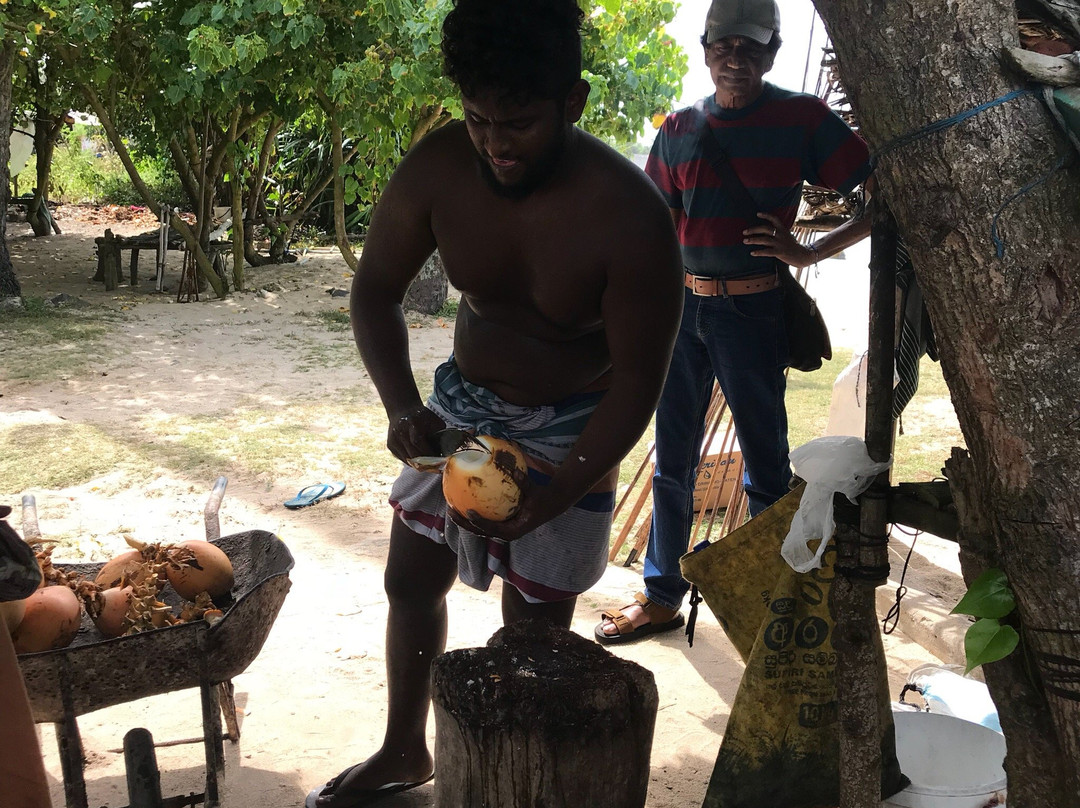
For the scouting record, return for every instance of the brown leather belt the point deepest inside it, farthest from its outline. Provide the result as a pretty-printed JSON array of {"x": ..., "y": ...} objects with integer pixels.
[{"x": 718, "y": 287}]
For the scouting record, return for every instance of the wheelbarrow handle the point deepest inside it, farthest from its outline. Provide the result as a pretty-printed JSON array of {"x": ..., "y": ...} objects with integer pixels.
[
  {"x": 30, "y": 529},
  {"x": 210, "y": 512}
]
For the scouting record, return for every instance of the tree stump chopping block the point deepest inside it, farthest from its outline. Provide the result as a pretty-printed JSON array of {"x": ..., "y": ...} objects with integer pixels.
[
  {"x": 541, "y": 718},
  {"x": 108, "y": 264}
]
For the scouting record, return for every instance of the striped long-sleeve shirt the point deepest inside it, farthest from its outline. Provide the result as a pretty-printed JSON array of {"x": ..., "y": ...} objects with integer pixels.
[{"x": 774, "y": 144}]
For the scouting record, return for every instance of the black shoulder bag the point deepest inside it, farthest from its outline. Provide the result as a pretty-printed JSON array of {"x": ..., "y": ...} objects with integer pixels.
[{"x": 807, "y": 334}]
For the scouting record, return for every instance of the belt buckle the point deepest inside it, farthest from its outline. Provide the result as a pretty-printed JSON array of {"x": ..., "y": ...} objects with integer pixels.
[{"x": 709, "y": 284}]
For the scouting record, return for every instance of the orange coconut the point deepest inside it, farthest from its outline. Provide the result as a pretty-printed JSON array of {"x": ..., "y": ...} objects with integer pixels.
[
  {"x": 51, "y": 621},
  {"x": 198, "y": 566},
  {"x": 485, "y": 480}
]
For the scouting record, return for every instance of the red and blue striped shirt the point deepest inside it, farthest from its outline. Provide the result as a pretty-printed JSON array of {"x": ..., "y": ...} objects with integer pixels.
[{"x": 774, "y": 144}]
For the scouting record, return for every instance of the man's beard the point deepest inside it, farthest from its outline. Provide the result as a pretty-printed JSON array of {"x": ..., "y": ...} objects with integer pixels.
[{"x": 535, "y": 175}]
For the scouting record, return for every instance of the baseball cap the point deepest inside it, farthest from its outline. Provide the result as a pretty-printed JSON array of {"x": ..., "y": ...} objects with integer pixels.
[{"x": 754, "y": 19}]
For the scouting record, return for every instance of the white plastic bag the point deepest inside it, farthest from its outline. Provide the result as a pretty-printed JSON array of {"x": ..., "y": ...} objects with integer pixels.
[{"x": 830, "y": 465}]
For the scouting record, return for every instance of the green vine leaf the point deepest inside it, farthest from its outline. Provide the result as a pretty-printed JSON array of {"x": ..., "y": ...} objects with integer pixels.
[
  {"x": 988, "y": 641},
  {"x": 988, "y": 596}
]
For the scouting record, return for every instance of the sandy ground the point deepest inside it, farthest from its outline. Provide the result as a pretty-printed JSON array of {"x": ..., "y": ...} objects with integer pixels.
[{"x": 314, "y": 699}]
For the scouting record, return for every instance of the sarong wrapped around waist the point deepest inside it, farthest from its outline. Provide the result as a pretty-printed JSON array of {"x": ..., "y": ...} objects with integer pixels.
[{"x": 564, "y": 556}]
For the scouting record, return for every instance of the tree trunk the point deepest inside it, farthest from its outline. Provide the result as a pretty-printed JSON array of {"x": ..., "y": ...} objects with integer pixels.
[
  {"x": 45, "y": 132},
  {"x": 236, "y": 187},
  {"x": 1034, "y": 756},
  {"x": 9, "y": 284},
  {"x": 429, "y": 289},
  {"x": 541, "y": 717},
  {"x": 1005, "y": 310},
  {"x": 339, "y": 192}
]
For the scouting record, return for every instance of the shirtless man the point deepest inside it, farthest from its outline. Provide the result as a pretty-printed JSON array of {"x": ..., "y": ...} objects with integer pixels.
[{"x": 571, "y": 290}]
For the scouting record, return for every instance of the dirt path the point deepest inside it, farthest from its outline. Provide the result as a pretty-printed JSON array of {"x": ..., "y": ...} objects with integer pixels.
[{"x": 314, "y": 699}]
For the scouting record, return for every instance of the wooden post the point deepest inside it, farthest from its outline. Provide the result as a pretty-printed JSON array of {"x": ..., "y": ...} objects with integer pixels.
[
  {"x": 211, "y": 711},
  {"x": 108, "y": 267},
  {"x": 140, "y": 766},
  {"x": 69, "y": 744},
  {"x": 862, "y": 561},
  {"x": 541, "y": 716},
  {"x": 133, "y": 267}
]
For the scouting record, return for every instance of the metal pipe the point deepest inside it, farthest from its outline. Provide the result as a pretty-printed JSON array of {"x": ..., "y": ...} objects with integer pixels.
[
  {"x": 210, "y": 512},
  {"x": 30, "y": 529}
]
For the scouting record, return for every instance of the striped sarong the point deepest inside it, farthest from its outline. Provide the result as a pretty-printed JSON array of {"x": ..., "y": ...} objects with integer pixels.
[{"x": 564, "y": 556}]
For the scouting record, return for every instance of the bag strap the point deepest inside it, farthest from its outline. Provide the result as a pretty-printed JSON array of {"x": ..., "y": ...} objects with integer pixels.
[{"x": 721, "y": 164}]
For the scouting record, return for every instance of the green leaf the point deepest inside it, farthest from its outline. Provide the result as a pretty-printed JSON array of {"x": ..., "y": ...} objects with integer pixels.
[
  {"x": 988, "y": 596},
  {"x": 988, "y": 641},
  {"x": 191, "y": 16},
  {"x": 611, "y": 6}
]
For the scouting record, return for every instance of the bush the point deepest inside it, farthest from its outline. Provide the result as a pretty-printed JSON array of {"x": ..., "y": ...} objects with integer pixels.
[{"x": 86, "y": 169}]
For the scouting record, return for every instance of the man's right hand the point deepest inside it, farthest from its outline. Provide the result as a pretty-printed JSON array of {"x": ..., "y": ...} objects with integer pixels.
[{"x": 411, "y": 431}]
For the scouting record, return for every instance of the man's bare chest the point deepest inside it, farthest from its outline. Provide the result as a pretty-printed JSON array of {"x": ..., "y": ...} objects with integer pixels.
[{"x": 547, "y": 263}]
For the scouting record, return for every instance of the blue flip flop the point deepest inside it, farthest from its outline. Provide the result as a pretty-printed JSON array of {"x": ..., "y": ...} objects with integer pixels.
[
  {"x": 334, "y": 489},
  {"x": 315, "y": 493}
]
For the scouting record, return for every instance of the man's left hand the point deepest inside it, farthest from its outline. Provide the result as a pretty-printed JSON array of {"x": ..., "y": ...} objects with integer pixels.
[
  {"x": 774, "y": 240},
  {"x": 528, "y": 518}
]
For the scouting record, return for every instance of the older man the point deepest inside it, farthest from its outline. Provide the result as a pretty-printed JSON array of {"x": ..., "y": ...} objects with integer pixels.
[{"x": 732, "y": 325}]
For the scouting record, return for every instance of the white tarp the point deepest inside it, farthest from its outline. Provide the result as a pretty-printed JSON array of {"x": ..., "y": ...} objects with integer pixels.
[{"x": 22, "y": 146}]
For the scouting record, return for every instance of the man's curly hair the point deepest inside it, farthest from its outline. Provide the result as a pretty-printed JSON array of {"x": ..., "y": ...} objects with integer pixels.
[{"x": 518, "y": 49}]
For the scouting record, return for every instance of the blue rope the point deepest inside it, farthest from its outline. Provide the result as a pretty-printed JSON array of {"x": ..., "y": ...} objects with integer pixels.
[
  {"x": 999, "y": 243},
  {"x": 945, "y": 123}
]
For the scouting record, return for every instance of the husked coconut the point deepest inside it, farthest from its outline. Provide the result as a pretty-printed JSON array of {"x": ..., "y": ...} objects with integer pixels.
[{"x": 485, "y": 480}]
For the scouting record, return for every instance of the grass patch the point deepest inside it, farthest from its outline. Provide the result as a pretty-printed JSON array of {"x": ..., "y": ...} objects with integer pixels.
[
  {"x": 54, "y": 456},
  {"x": 44, "y": 342},
  {"x": 808, "y": 397},
  {"x": 448, "y": 310},
  {"x": 332, "y": 319},
  {"x": 928, "y": 429},
  {"x": 301, "y": 440}
]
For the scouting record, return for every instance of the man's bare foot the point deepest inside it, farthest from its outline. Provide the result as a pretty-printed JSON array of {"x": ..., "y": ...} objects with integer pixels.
[{"x": 384, "y": 770}]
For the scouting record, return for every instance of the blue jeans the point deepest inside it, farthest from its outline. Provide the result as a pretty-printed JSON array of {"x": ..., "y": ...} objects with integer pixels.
[{"x": 741, "y": 343}]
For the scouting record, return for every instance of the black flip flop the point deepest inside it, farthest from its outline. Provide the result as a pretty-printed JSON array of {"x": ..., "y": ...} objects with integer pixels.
[
  {"x": 638, "y": 633},
  {"x": 361, "y": 798}
]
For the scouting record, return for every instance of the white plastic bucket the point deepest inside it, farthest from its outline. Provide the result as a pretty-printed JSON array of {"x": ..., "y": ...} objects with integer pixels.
[{"x": 952, "y": 763}]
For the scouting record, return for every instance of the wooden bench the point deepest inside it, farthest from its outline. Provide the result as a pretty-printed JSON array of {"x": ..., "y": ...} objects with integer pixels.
[{"x": 110, "y": 248}]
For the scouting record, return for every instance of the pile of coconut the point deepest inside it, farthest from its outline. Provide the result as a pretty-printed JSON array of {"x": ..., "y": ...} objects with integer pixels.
[{"x": 125, "y": 595}]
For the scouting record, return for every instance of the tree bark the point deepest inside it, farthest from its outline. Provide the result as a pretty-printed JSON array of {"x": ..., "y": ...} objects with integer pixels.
[
  {"x": 9, "y": 284},
  {"x": 429, "y": 289},
  {"x": 1003, "y": 301}
]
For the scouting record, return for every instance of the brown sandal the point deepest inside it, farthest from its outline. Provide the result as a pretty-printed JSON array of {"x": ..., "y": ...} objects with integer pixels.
[{"x": 661, "y": 619}]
